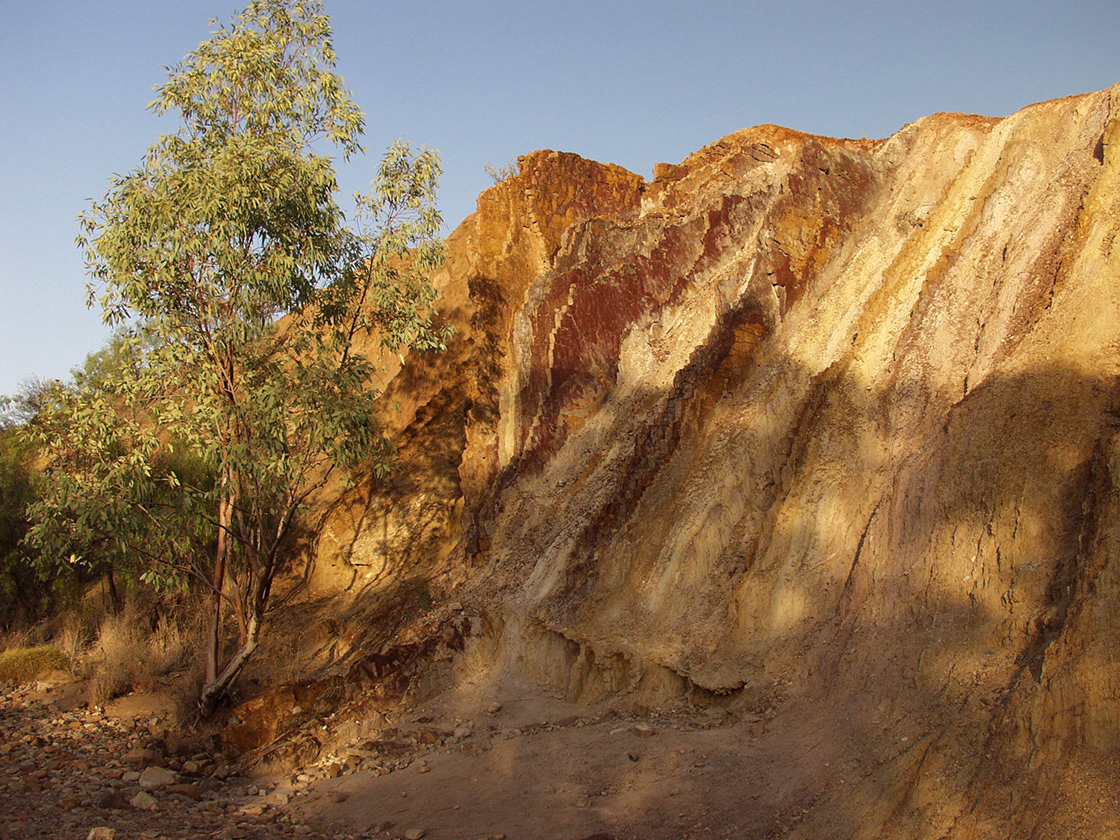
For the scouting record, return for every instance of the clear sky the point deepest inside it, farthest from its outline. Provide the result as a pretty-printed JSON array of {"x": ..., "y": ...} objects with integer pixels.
[{"x": 633, "y": 83}]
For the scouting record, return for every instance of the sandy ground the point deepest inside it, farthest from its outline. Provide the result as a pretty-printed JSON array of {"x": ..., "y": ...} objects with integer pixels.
[
  {"x": 505, "y": 763},
  {"x": 497, "y": 762},
  {"x": 540, "y": 768}
]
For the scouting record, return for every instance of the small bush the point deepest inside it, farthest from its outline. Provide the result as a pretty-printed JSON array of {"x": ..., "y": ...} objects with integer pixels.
[
  {"x": 169, "y": 646},
  {"x": 129, "y": 655},
  {"x": 116, "y": 659},
  {"x": 503, "y": 173},
  {"x": 21, "y": 665},
  {"x": 72, "y": 641}
]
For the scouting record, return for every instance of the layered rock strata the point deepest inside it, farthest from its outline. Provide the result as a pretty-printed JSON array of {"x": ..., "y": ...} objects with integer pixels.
[{"x": 801, "y": 423}]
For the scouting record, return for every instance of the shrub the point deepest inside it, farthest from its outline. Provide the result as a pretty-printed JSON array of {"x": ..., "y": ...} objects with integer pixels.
[
  {"x": 503, "y": 173},
  {"x": 130, "y": 654}
]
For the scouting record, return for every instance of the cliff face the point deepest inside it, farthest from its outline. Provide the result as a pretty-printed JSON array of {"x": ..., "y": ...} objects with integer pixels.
[{"x": 803, "y": 423}]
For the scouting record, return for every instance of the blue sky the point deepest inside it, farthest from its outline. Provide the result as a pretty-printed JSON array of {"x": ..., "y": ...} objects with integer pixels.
[{"x": 633, "y": 83}]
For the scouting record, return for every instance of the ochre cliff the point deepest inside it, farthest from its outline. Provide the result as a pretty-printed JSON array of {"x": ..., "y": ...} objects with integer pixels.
[{"x": 803, "y": 424}]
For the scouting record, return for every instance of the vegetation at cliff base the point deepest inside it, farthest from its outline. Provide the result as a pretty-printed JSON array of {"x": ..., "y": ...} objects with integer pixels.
[
  {"x": 21, "y": 665},
  {"x": 250, "y": 318}
]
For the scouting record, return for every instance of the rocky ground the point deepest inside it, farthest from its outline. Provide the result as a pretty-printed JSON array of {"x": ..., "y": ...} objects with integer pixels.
[
  {"x": 68, "y": 770},
  {"x": 505, "y": 764}
]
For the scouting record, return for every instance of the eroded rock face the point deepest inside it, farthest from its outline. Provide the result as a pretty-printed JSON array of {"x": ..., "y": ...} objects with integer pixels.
[{"x": 823, "y": 422}]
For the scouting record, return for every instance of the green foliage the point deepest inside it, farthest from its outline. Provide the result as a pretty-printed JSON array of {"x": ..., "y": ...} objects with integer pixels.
[
  {"x": 243, "y": 383},
  {"x": 108, "y": 499},
  {"x": 24, "y": 594},
  {"x": 17, "y": 582},
  {"x": 15, "y": 493}
]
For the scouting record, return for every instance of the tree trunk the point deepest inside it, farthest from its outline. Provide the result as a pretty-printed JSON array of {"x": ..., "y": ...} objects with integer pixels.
[
  {"x": 215, "y": 688},
  {"x": 114, "y": 594},
  {"x": 213, "y": 639}
]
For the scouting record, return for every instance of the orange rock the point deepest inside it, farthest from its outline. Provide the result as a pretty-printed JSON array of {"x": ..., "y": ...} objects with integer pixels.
[{"x": 810, "y": 423}]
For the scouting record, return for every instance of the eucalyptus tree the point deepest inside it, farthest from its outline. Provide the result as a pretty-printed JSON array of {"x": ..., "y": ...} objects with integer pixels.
[{"x": 256, "y": 314}]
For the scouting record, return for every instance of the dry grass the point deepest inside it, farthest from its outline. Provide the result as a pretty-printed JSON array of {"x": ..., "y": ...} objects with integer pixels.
[
  {"x": 150, "y": 644},
  {"x": 129, "y": 654},
  {"x": 22, "y": 664},
  {"x": 114, "y": 663},
  {"x": 73, "y": 640},
  {"x": 22, "y": 637}
]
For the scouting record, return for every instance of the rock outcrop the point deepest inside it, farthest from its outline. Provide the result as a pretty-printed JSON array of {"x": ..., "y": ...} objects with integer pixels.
[{"x": 803, "y": 423}]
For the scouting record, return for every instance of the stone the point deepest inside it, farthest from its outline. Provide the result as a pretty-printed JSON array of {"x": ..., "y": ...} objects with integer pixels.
[
  {"x": 144, "y": 801},
  {"x": 717, "y": 715},
  {"x": 139, "y": 757},
  {"x": 101, "y": 833},
  {"x": 112, "y": 800},
  {"x": 155, "y": 777},
  {"x": 414, "y": 834},
  {"x": 643, "y": 730},
  {"x": 187, "y": 790}
]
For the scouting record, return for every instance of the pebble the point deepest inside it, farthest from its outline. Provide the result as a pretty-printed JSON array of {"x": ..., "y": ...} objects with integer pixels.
[
  {"x": 139, "y": 757},
  {"x": 192, "y": 792},
  {"x": 156, "y": 777},
  {"x": 144, "y": 801},
  {"x": 72, "y": 774}
]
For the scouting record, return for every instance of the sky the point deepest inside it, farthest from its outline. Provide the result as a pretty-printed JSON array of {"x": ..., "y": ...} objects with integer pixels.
[{"x": 631, "y": 83}]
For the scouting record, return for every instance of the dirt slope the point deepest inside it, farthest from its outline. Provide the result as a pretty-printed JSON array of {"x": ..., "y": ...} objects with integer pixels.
[{"x": 817, "y": 429}]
